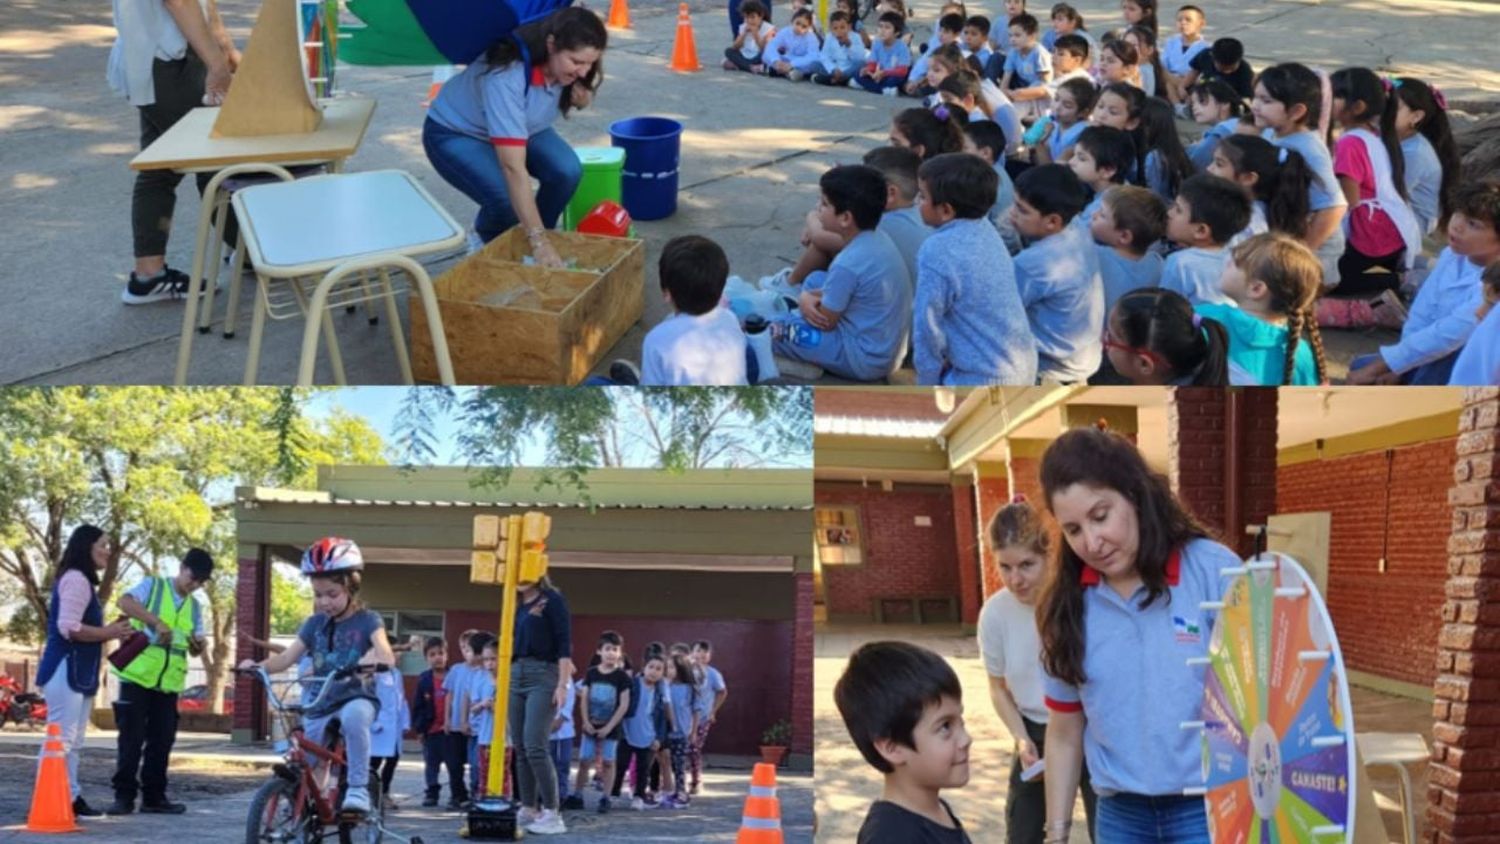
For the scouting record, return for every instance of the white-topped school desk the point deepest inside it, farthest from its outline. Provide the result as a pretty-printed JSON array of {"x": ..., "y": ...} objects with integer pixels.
[
  {"x": 339, "y": 225},
  {"x": 1397, "y": 750}
]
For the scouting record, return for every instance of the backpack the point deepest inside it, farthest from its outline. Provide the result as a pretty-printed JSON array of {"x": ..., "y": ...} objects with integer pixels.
[{"x": 434, "y": 32}]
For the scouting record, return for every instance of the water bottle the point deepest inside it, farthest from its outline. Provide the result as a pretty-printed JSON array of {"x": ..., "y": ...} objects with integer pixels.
[
  {"x": 804, "y": 335},
  {"x": 1033, "y": 135}
]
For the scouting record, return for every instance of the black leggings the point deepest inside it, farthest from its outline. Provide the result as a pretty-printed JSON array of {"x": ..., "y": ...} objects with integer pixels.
[
  {"x": 1361, "y": 274},
  {"x": 642, "y": 757},
  {"x": 383, "y": 770}
]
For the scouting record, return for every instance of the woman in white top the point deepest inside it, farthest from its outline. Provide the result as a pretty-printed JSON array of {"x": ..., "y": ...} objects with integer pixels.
[{"x": 1011, "y": 647}]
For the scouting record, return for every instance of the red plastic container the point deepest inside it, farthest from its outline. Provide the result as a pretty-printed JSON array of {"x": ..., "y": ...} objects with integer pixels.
[{"x": 608, "y": 219}]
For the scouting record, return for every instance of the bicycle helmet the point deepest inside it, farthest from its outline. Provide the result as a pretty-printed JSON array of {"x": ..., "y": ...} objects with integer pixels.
[{"x": 332, "y": 554}]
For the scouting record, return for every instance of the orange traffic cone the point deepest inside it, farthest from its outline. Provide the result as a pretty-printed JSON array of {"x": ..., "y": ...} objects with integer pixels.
[
  {"x": 761, "y": 823},
  {"x": 619, "y": 15},
  {"x": 52, "y": 801},
  {"x": 685, "y": 49},
  {"x": 440, "y": 75}
]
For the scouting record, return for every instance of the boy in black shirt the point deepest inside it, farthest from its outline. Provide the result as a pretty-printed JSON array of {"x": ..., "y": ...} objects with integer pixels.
[
  {"x": 1224, "y": 60},
  {"x": 903, "y": 707}
]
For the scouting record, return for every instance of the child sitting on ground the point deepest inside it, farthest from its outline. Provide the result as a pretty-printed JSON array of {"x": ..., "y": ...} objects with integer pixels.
[
  {"x": 1224, "y": 60},
  {"x": 1070, "y": 60},
  {"x": 976, "y": 39},
  {"x": 950, "y": 30},
  {"x": 701, "y": 343},
  {"x": 1276, "y": 178},
  {"x": 1124, "y": 228},
  {"x": 1271, "y": 281},
  {"x": 902, "y": 221},
  {"x": 1027, "y": 68},
  {"x": 746, "y": 53},
  {"x": 1101, "y": 159},
  {"x": 1479, "y": 362},
  {"x": 1206, "y": 214},
  {"x": 793, "y": 52},
  {"x": 854, "y": 319},
  {"x": 1218, "y": 107},
  {"x": 843, "y": 53},
  {"x": 1058, "y": 274},
  {"x": 1180, "y": 50},
  {"x": 1154, "y": 338},
  {"x": 889, "y": 60},
  {"x": 984, "y": 139},
  {"x": 1432, "y": 163},
  {"x": 969, "y": 326},
  {"x": 1166, "y": 164},
  {"x": 1443, "y": 314},
  {"x": 1071, "y": 104},
  {"x": 903, "y": 707}
]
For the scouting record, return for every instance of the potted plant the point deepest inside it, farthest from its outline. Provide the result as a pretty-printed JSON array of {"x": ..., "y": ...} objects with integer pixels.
[{"x": 775, "y": 740}]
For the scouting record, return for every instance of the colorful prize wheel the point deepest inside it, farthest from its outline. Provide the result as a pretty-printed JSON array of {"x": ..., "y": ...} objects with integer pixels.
[{"x": 1278, "y": 739}]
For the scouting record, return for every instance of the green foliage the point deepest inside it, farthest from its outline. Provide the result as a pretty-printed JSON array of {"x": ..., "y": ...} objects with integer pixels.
[
  {"x": 778, "y": 734},
  {"x": 24, "y": 627},
  {"x": 291, "y": 596}
]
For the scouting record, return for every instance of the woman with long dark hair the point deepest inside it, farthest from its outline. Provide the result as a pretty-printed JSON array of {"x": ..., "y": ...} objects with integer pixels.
[
  {"x": 1119, "y": 620},
  {"x": 541, "y": 668},
  {"x": 489, "y": 130},
  {"x": 69, "y": 672}
]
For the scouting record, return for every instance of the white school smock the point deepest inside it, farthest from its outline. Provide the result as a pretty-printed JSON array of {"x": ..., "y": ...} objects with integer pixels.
[
  {"x": 145, "y": 31},
  {"x": 1478, "y": 365},
  {"x": 1442, "y": 316},
  {"x": 1386, "y": 198}
]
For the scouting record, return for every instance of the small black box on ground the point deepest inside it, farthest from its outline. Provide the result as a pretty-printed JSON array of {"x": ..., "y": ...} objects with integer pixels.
[{"x": 493, "y": 820}]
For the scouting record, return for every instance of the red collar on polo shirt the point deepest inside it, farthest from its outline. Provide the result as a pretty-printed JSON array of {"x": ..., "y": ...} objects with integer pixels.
[
  {"x": 538, "y": 78},
  {"x": 1090, "y": 576}
]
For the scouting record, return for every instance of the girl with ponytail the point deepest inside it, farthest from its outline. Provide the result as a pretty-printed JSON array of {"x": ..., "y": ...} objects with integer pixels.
[
  {"x": 1431, "y": 157},
  {"x": 1272, "y": 281},
  {"x": 1276, "y": 177},
  {"x": 1153, "y": 337}
]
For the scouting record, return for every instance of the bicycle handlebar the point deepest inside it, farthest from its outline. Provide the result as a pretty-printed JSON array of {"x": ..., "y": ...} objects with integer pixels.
[{"x": 259, "y": 672}]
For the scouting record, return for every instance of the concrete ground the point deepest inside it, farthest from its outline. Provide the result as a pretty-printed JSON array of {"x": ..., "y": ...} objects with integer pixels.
[
  {"x": 752, "y": 153},
  {"x": 846, "y": 784},
  {"x": 217, "y": 780}
]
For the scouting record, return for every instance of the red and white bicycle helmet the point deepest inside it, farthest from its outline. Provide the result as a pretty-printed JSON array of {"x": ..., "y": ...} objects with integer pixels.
[{"x": 331, "y": 554}]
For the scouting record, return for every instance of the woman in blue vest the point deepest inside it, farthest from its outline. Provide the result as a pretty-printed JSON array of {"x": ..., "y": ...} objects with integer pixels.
[
  {"x": 489, "y": 130},
  {"x": 69, "y": 673},
  {"x": 1119, "y": 620}
]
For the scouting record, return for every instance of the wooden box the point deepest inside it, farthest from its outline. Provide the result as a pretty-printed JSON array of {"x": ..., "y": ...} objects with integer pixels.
[{"x": 510, "y": 323}]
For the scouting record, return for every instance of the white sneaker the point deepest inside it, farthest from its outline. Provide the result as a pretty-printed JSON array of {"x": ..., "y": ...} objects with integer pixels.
[
  {"x": 779, "y": 281},
  {"x": 795, "y": 75},
  {"x": 548, "y": 822},
  {"x": 889, "y": 92},
  {"x": 357, "y": 800},
  {"x": 527, "y": 816},
  {"x": 472, "y": 242},
  {"x": 638, "y": 804}
]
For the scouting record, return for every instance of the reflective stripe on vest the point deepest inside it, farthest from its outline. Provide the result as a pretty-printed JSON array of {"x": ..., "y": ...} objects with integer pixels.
[{"x": 154, "y": 667}]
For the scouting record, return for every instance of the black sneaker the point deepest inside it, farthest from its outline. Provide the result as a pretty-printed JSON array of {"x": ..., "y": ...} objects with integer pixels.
[
  {"x": 166, "y": 285},
  {"x": 82, "y": 809},
  {"x": 120, "y": 807},
  {"x": 625, "y": 373},
  {"x": 603, "y": 805},
  {"x": 573, "y": 801},
  {"x": 429, "y": 801},
  {"x": 166, "y": 807}
]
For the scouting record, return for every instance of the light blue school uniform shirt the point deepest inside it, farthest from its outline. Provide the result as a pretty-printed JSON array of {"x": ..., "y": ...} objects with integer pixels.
[
  {"x": 1061, "y": 139},
  {"x": 799, "y": 50},
  {"x": 848, "y": 58},
  {"x": 1177, "y": 58},
  {"x": 1139, "y": 687},
  {"x": 1085, "y": 217},
  {"x": 1257, "y": 225},
  {"x": 566, "y": 730},
  {"x": 1442, "y": 316},
  {"x": 868, "y": 285},
  {"x": 497, "y": 105},
  {"x": 1028, "y": 67},
  {"x": 1058, "y": 277},
  {"x": 1195, "y": 272},
  {"x": 681, "y": 694},
  {"x": 1424, "y": 180},
  {"x": 1202, "y": 152},
  {"x": 708, "y": 689},
  {"x": 456, "y": 683},
  {"x": 905, "y": 228},
  {"x": 640, "y": 726},
  {"x": 999, "y": 216},
  {"x": 969, "y": 326},
  {"x": 1157, "y": 177},
  {"x": 892, "y": 57},
  {"x": 1322, "y": 194},
  {"x": 482, "y": 723},
  {"x": 1258, "y": 347},
  {"x": 702, "y": 349},
  {"x": 1122, "y": 274},
  {"x": 1478, "y": 364}
]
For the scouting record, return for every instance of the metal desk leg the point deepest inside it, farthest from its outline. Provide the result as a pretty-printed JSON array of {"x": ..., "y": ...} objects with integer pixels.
[
  {"x": 393, "y": 317},
  {"x": 236, "y": 273},
  {"x": 420, "y": 282},
  {"x": 257, "y": 331}
]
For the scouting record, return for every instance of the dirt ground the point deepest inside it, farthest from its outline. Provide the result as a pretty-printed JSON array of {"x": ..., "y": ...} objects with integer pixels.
[{"x": 189, "y": 779}]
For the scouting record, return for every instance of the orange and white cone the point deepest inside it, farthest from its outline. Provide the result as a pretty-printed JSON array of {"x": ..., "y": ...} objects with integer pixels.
[
  {"x": 440, "y": 74},
  {"x": 685, "y": 48},
  {"x": 761, "y": 823},
  {"x": 52, "y": 800},
  {"x": 619, "y": 15}
]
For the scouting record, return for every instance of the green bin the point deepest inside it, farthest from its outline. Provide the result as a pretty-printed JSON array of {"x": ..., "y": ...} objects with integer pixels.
[{"x": 602, "y": 169}]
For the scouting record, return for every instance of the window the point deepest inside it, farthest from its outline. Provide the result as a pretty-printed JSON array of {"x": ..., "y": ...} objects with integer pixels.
[
  {"x": 401, "y": 625},
  {"x": 839, "y": 540}
]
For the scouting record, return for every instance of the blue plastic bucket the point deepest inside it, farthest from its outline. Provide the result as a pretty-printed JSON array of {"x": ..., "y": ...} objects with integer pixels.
[{"x": 653, "y": 147}]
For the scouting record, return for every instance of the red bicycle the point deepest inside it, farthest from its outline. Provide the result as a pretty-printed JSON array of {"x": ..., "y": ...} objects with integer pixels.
[
  {"x": 28, "y": 709},
  {"x": 300, "y": 802}
]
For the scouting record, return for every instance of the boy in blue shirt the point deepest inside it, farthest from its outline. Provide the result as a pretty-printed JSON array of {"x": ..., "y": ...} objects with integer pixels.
[
  {"x": 1128, "y": 222},
  {"x": 1058, "y": 274},
  {"x": 842, "y": 55},
  {"x": 456, "y": 719},
  {"x": 853, "y": 319},
  {"x": 889, "y": 58},
  {"x": 976, "y": 39},
  {"x": 1027, "y": 67},
  {"x": 603, "y": 701},
  {"x": 903, "y": 707},
  {"x": 1101, "y": 158},
  {"x": 1207, "y": 212},
  {"x": 969, "y": 326},
  {"x": 985, "y": 139},
  {"x": 902, "y": 222}
]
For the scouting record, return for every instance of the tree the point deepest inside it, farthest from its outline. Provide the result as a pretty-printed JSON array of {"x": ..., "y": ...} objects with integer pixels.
[
  {"x": 672, "y": 428},
  {"x": 156, "y": 469},
  {"x": 290, "y": 598}
]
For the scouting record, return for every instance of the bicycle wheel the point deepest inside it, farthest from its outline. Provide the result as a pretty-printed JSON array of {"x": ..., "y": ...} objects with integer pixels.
[
  {"x": 370, "y": 830},
  {"x": 275, "y": 815}
]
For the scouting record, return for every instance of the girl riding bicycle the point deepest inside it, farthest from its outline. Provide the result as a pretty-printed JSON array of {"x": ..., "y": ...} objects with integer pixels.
[{"x": 341, "y": 634}]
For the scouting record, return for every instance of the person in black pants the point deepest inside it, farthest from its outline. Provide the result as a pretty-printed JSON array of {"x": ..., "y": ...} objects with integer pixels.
[{"x": 427, "y": 718}]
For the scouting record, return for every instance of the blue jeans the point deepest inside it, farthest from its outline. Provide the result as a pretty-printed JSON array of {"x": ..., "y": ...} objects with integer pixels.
[
  {"x": 1141, "y": 819},
  {"x": 562, "y": 760},
  {"x": 472, "y": 166}
]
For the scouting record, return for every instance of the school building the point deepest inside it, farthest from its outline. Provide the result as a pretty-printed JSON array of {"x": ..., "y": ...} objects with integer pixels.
[
  {"x": 658, "y": 556},
  {"x": 1398, "y": 521}
]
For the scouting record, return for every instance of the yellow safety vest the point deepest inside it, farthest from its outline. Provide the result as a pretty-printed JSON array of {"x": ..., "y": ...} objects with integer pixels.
[{"x": 159, "y": 667}]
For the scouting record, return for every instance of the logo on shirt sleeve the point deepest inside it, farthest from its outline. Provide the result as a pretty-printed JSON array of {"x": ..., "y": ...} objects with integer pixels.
[{"x": 1186, "y": 632}]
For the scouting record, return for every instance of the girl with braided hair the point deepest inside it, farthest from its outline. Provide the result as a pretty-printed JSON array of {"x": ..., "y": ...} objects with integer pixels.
[{"x": 1273, "y": 280}]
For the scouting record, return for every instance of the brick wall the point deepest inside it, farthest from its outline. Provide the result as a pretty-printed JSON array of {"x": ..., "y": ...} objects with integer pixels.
[
  {"x": 1198, "y": 429},
  {"x": 900, "y": 557},
  {"x": 994, "y": 493},
  {"x": 252, "y": 595},
  {"x": 802, "y": 667},
  {"x": 1463, "y": 790},
  {"x": 1391, "y": 504}
]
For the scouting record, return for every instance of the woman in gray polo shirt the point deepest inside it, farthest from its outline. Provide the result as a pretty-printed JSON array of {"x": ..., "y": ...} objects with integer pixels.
[{"x": 1119, "y": 620}]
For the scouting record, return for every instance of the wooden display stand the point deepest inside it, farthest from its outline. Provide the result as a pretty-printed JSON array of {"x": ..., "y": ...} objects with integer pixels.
[
  {"x": 509, "y": 323},
  {"x": 269, "y": 95}
]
